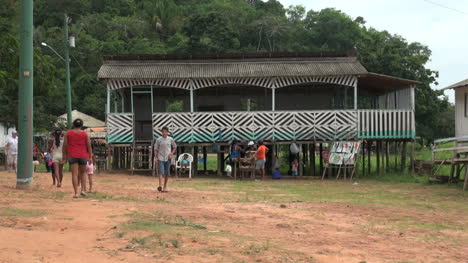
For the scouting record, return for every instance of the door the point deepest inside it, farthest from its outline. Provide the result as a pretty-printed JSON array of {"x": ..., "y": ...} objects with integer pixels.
[{"x": 142, "y": 112}]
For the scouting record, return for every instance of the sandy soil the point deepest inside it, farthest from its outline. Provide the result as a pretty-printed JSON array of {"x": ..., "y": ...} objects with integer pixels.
[{"x": 206, "y": 220}]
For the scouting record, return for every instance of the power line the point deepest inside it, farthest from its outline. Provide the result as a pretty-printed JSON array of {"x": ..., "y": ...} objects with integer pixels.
[{"x": 446, "y": 7}]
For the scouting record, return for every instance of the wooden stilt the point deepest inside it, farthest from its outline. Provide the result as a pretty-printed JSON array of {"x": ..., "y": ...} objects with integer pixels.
[
  {"x": 363, "y": 159},
  {"x": 403, "y": 156},
  {"x": 466, "y": 177},
  {"x": 312, "y": 159},
  {"x": 320, "y": 158},
  {"x": 412, "y": 157},
  {"x": 300, "y": 160},
  {"x": 387, "y": 156},
  {"x": 195, "y": 161},
  {"x": 396, "y": 156},
  {"x": 205, "y": 161},
  {"x": 222, "y": 150},
  {"x": 377, "y": 154},
  {"x": 369, "y": 150}
]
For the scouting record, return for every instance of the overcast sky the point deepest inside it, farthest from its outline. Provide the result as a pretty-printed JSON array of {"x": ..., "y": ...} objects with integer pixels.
[{"x": 440, "y": 24}]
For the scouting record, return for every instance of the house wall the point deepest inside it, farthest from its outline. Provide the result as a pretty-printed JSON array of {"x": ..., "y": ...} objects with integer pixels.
[
  {"x": 400, "y": 99},
  {"x": 461, "y": 111}
]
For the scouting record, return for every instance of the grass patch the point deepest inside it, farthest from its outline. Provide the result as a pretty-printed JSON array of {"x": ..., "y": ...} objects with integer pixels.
[
  {"x": 16, "y": 212},
  {"x": 255, "y": 249},
  {"x": 108, "y": 197}
]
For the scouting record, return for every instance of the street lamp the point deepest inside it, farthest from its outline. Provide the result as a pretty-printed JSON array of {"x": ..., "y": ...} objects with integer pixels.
[
  {"x": 51, "y": 48},
  {"x": 69, "y": 42}
]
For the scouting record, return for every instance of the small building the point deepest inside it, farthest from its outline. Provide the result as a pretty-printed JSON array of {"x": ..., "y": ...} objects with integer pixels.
[
  {"x": 461, "y": 107},
  {"x": 88, "y": 121},
  {"x": 277, "y": 97}
]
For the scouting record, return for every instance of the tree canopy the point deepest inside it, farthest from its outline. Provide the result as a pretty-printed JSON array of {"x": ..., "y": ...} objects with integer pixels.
[{"x": 196, "y": 26}]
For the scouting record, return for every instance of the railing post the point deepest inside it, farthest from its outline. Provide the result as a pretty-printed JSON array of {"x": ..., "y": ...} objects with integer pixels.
[{"x": 355, "y": 92}]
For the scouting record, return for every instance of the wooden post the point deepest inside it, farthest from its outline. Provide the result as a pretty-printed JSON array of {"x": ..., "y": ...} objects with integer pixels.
[
  {"x": 300, "y": 160},
  {"x": 403, "y": 156},
  {"x": 363, "y": 160},
  {"x": 369, "y": 150},
  {"x": 387, "y": 156},
  {"x": 396, "y": 156},
  {"x": 466, "y": 177},
  {"x": 312, "y": 159},
  {"x": 219, "y": 169},
  {"x": 195, "y": 161},
  {"x": 320, "y": 158},
  {"x": 205, "y": 155},
  {"x": 377, "y": 154},
  {"x": 412, "y": 157}
]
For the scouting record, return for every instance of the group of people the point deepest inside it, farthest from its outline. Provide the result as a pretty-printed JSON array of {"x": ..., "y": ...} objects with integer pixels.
[
  {"x": 259, "y": 151},
  {"x": 72, "y": 146}
]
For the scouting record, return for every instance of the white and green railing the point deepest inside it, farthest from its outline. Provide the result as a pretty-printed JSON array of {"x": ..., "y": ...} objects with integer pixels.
[
  {"x": 386, "y": 124},
  {"x": 325, "y": 125},
  {"x": 120, "y": 127}
]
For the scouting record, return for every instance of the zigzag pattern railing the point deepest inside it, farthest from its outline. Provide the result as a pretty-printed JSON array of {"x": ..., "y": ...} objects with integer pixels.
[
  {"x": 279, "y": 125},
  {"x": 120, "y": 127}
]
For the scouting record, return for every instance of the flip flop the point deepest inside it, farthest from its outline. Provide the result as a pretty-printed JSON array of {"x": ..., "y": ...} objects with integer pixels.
[
  {"x": 75, "y": 196},
  {"x": 83, "y": 194},
  {"x": 160, "y": 189}
]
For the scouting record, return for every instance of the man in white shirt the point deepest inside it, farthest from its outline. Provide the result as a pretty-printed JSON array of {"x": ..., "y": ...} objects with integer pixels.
[
  {"x": 164, "y": 150},
  {"x": 11, "y": 151}
]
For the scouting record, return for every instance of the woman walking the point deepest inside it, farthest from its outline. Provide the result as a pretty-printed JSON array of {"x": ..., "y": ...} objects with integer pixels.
[
  {"x": 56, "y": 148},
  {"x": 77, "y": 149}
]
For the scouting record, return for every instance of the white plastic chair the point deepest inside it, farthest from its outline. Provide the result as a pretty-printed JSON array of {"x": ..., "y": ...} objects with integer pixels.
[{"x": 178, "y": 164}]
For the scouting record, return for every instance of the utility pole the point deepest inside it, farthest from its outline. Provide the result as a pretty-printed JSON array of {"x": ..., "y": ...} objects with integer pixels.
[
  {"x": 25, "y": 95},
  {"x": 67, "y": 81}
]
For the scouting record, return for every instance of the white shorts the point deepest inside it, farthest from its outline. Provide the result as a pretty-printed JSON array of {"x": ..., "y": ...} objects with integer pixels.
[{"x": 12, "y": 159}]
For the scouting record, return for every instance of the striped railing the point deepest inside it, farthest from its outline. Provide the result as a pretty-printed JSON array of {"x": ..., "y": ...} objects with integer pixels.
[
  {"x": 324, "y": 125},
  {"x": 268, "y": 125},
  {"x": 386, "y": 124},
  {"x": 120, "y": 127}
]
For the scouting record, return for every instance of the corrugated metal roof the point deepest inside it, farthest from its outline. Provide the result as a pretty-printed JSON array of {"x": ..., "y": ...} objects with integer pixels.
[
  {"x": 231, "y": 68},
  {"x": 457, "y": 85}
]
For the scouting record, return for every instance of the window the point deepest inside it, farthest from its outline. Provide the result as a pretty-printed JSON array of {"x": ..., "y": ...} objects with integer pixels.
[{"x": 466, "y": 104}]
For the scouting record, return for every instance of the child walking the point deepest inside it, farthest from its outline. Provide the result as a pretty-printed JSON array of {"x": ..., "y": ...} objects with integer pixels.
[{"x": 90, "y": 172}]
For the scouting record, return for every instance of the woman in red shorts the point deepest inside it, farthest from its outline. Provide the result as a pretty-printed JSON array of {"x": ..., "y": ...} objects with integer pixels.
[{"x": 77, "y": 151}]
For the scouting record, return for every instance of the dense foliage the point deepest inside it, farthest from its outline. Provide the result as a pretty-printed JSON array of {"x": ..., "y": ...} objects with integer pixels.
[{"x": 196, "y": 26}]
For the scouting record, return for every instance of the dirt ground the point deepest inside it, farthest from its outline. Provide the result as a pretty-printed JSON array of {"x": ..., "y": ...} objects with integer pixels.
[{"x": 219, "y": 220}]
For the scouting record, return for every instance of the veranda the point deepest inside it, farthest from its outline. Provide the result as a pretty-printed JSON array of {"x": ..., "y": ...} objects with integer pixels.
[{"x": 308, "y": 98}]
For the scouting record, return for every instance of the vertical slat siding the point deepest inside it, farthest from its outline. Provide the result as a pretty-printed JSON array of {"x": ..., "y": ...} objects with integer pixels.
[{"x": 382, "y": 124}]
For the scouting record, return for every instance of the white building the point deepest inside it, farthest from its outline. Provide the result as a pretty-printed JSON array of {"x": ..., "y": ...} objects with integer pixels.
[{"x": 461, "y": 107}]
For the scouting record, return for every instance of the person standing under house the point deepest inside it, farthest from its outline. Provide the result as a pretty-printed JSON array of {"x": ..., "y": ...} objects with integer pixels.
[
  {"x": 164, "y": 150},
  {"x": 36, "y": 154},
  {"x": 260, "y": 156},
  {"x": 77, "y": 149},
  {"x": 11, "y": 151},
  {"x": 56, "y": 149}
]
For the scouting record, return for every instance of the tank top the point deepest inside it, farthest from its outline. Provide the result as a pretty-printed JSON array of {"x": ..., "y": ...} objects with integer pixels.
[
  {"x": 57, "y": 150},
  {"x": 77, "y": 147}
]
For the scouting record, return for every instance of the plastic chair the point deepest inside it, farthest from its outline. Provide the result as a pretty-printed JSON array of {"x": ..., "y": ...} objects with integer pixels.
[{"x": 178, "y": 164}]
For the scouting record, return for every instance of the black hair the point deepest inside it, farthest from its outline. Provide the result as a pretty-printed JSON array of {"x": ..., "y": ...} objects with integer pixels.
[
  {"x": 57, "y": 134},
  {"x": 260, "y": 142},
  {"x": 78, "y": 123},
  {"x": 165, "y": 129}
]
